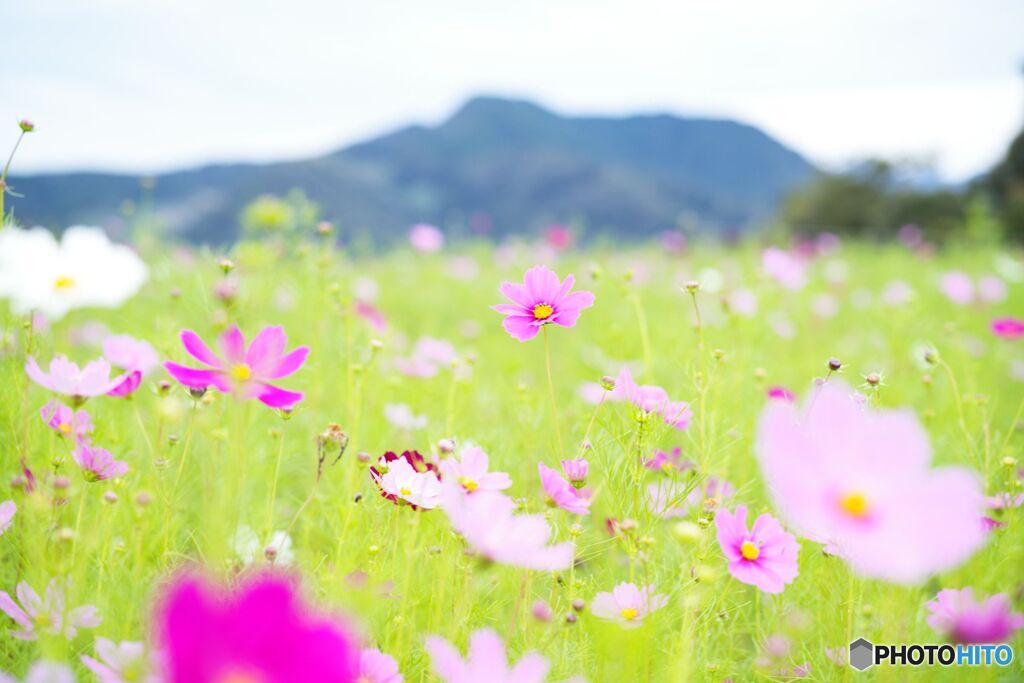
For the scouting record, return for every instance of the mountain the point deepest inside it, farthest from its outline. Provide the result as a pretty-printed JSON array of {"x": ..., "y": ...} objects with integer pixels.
[{"x": 511, "y": 161}]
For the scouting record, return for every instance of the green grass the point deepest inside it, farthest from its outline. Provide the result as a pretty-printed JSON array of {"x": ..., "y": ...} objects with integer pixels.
[{"x": 207, "y": 466}]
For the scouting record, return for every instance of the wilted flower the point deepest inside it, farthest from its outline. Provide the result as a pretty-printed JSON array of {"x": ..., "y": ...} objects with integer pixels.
[
  {"x": 487, "y": 661},
  {"x": 66, "y": 378},
  {"x": 956, "y": 615},
  {"x": 765, "y": 556},
  {"x": 122, "y": 662},
  {"x": 627, "y": 604},
  {"x": 470, "y": 470},
  {"x": 262, "y": 631},
  {"x": 38, "y": 273},
  {"x": 377, "y": 667},
  {"x": 48, "y": 614},
  {"x": 246, "y": 372},
  {"x": 561, "y": 493},
  {"x": 541, "y": 300},
  {"x": 97, "y": 463}
]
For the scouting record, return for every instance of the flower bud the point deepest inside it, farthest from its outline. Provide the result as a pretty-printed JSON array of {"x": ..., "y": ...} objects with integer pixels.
[
  {"x": 226, "y": 265},
  {"x": 446, "y": 446},
  {"x": 692, "y": 286},
  {"x": 834, "y": 364},
  {"x": 608, "y": 383},
  {"x": 578, "y": 604},
  {"x": 541, "y": 611},
  {"x": 109, "y": 497},
  {"x": 26, "y": 126}
]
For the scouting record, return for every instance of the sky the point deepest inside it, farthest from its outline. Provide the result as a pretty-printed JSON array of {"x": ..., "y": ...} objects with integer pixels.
[{"x": 151, "y": 85}]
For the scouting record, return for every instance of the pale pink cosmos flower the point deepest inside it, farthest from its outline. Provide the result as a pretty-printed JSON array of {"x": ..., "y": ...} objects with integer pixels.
[
  {"x": 128, "y": 353},
  {"x": 97, "y": 463},
  {"x": 671, "y": 461},
  {"x": 377, "y": 667},
  {"x": 957, "y": 286},
  {"x": 400, "y": 415},
  {"x": 66, "y": 421},
  {"x": 860, "y": 481},
  {"x": 541, "y": 300},
  {"x": 576, "y": 471},
  {"x": 627, "y": 604},
  {"x": 246, "y": 372},
  {"x": 897, "y": 293},
  {"x": 402, "y": 481},
  {"x": 788, "y": 270},
  {"x": 648, "y": 398},
  {"x": 486, "y": 661},
  {"x": 428, "y": 357},
  {"x": 123, "y": 662},
  {"x": 561, "y": 493},
  {"x": 765, "y": 556},
  {"x": 957, "y": 616},
  {"x": 488, "y": 523},
  {"x": 426, "y": 238},
  {"x": 1004, "y": 501},
  {"x": 8, "y": 508},
  {"x": 65, "y": 377},
  {"x": 991, "y": 289},
  {"x": 1008, "y": 328},
  {"x": 368, "y": 312},
  {"x": 44, "y": 672},
  {"x": 470, "y": 470},
  {"x": 743, "y": 302},
  {"x": 48, "y": 613}
]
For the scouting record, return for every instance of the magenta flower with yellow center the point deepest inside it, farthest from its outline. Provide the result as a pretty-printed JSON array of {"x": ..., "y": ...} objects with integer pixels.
[
  {"x": 541, "y": 300},
  {"x": 243, "y": 371},
  {"x": 765, "y": 556}
]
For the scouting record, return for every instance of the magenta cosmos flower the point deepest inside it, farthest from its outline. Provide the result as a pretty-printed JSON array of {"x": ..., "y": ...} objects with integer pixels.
[
  {"x": 561, "y": 493},
  {"x": 627, "y": 604},
  {"x": 860, "y": 481},
  {"x": 377, "y": 667},
  {"x": 48, "y": 614},
  {"x": 541, "y": 300},
  {"x": 489, "y": 525},
  {"x": 66, "y": 378},
  {"x": 764, "y": 557},
  {"x": 66, "y": 421},
  {"x": 957, "y": 616},
  {"x": 1008, "y": 328},
  {"x": 246, "y": 372},
  {"x": 471, "y": 471},
  {"x": 261, "y": 632},
  {"x": 486, "y": 661}
]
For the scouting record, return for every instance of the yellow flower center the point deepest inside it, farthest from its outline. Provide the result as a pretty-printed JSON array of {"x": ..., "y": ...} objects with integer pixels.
[
  {"x": 235, "y": 676},
  {"x": 63, "y": 282},
  {"x": 629, "y": 614},
  {"x": 855, "y": 505},
  {"x": 64, "y": 427},
  {"x": 749, "y": 551},
  {"x": 468, "y": 484},
  {"x": 542, "y": 311},
  {"x": 404, "y": 492},
  {"x": 241, "y": 372}
]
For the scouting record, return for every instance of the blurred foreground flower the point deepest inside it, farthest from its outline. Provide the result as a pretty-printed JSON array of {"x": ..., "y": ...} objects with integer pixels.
[
  {"x": 487, "y": 661},
  {"x": 122, "y": 662},
  {"x": 44, "y": 672},
  {"x": 49, "y": 614},
  {"x": 956, "y": 615},
  {"x": 539, "y": 301},
  {"x": 38, "y": 273}
]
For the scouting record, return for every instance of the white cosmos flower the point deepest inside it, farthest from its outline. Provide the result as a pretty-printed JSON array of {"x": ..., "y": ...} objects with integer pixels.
[
  {"x": 247, "y": 545},
  {"x": 422, "y": 489},
  {"x": 40, "y": 273}
]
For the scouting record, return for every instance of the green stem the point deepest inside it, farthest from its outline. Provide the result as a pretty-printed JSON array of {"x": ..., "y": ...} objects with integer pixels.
[{"x": 551, "y": 392}]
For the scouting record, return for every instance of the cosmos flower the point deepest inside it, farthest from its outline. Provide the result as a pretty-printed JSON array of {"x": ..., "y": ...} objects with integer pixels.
[
  {"x": 788, "y": 270},
  {"x": 957, "y": 616},
  {"x": 66, "y": 421},
  {"x": 368, "y": 312},
  {"x": 627, "y": 604},
  {"x": 408, "y": 478},
  {"x": 488, "y": 524},
  {"x": 743, "y": 302},
  {"x": 48, "y": 614},
  {"x": 541, "y": 300},
  {"x": 1008, "y": 328},
  {"x": 561, "y": 493},
  {"x": 8, "y": 508},
  {"x": 576, "y": 471},
  {"x": 426, "y": 238},
  {"x": 671, "y": 461},
  {"x": 97, "y": 463},
  {"x": 991, "y": 289},
  {"x": 377, "y": 667},
  {"x": 44, "y": 672},
  {"x": 652, "y": 400},
  {"x": 246, "y": 372},
  {"x": 247, "y": 545},
  {"x": 957, "y": 286},
  {"x": 122, "y": 662},
  {"x": 262, "y": 631},
  {"x": 66, "y": 378},
  {"x": 764, "y": 557},
  {"x": 781, "y": 394},
  {"x": 860, "y": 482},
  {"x": 38, "y": 273},
  {"x": 134, "y": 356},
  {"x": 486, "y": 661},
  {"x": 400, "y": 415},
  {"x": 471, "y": 471},
  {"x": 428, "y": 357}
]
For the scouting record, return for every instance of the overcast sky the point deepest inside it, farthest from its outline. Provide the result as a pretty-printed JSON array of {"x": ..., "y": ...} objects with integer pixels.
[{"x": 149, "y": 85}]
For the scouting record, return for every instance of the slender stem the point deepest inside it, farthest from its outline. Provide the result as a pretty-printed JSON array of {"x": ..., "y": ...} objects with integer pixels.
[
  {"x": 551, "y": 392},
  {"x": 273, "y": 483},
  {"x": 959, "y": 406},
  {"x": 3, "y": 177}
]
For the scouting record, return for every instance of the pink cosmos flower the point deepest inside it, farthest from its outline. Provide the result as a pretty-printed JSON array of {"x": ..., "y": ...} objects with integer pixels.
[
  {"x": 669, "y": 462},
  {"x": 897, "y": 293},
  {"x": 1008, "y": 328},
  {"x": 539, "y": 301},
  {"x": 377, "y": 667},
  {"x": 97, "y": 463},
  {"x": 486, "y": 661},
  {"x": 956, "y": 615},
  {"x": 648, "y": 398},
  {"x": 428, "y": 357},
  {"x": 44, "y": 672},
  {"x": 368, "y": 312},
  {"x": 781, "y": 394},
  {"x": 788, "y": 270},
  {"x": 66, "y": 421},
  {"x": 426, "y": 238},
  {"x": 66, "y": 378},
  {"x": 471, "y": 472},
  {"x": 246, "y": 372},
  {"x": 561, "y": 493},
  {"x": 860, "y": 481},
  {"x": 991, "y": 289},
  {"x": 488, "y": 524},
  {"x": 261, "y": 632},
  {"x": 130, "y": 354},
  {"x": 627, "y": 604},
  {"x": 421, "y": 490},
  {"x": 764, "y": 557},
  {"x": 8, "y": 508},
  {"x": 400, "y": 415},
  {"x": 958, "y": 287},
  {"x": 743, "y": 302},
  {"x": 1004, "y": 501},
  {"x": 576, "y": 471},
  {"x": 122, "y": 662},
  {"x": 48, "y": 614}
]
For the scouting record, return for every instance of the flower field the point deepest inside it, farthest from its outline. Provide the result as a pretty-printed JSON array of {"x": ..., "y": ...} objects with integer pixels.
[{"x": 528, "y": 462}]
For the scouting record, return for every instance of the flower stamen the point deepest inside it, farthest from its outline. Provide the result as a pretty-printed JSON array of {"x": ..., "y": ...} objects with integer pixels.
[
  {"x": 855, "y": 505},
  {"x": 542, "y": 311},
  {"x": 749, "y": 551}
]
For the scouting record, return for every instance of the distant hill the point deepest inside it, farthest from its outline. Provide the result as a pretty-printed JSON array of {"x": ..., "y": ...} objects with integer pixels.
[{"x": 518, "y": 164}]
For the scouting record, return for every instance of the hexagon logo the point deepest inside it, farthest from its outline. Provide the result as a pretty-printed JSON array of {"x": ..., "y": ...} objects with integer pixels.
[{"x": 862, "y": 654}]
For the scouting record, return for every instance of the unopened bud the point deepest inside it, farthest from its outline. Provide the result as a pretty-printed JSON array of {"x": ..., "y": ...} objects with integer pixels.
[
  {"x": 61, "y": 483},
  {"x": 608, "y": 383},
  {"x": 834, "y": 364},
  {"x": 446, "y": 446},
  {"x": 541, "y": 611},
  {"x": 109, "y": 497},
  {"x": 226, "y": 265},
  {"x": 270, "y": 552},
  {"x": 324, "y": 228},
  {"x": 578, "y": 604},
  {"x": 26, "y": 126},
  {"x": 692, "y": 286}
]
